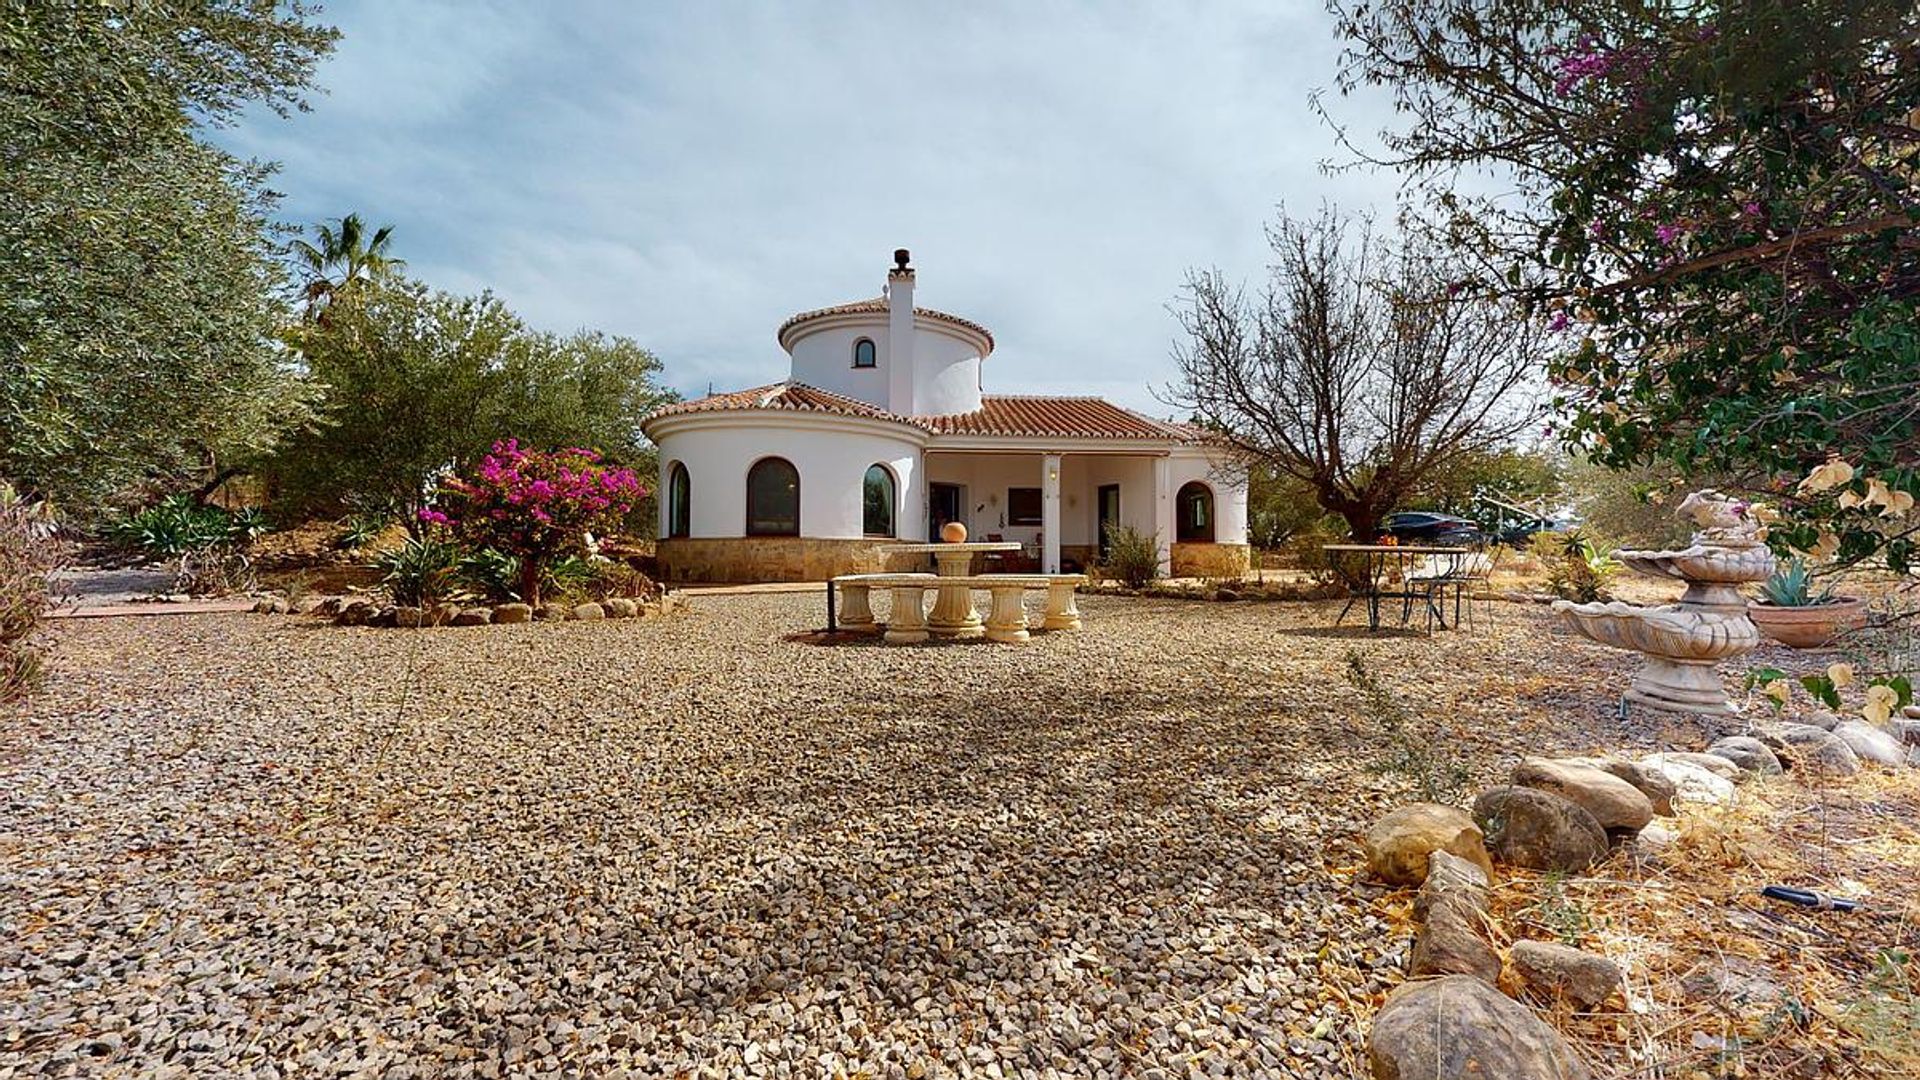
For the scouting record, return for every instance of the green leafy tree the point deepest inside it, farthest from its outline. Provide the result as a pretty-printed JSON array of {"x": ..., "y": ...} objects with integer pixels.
[
  {"x": 1510, "y": 474},
  {"x": 1718, "y": 201},
  {"x": 420, "y": 382},
  {"x": 139, "y": 284}
]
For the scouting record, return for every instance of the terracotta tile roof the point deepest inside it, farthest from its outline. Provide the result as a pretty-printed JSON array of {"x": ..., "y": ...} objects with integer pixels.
[
  {"x": 878, "y": 305},
  {"x": 1053, "y": 417},
  {"x": 1040, "y": 417},
  {"x": 789, "y": 396}
]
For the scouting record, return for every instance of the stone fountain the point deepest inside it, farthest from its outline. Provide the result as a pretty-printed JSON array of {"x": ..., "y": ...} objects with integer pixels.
[{"x": 1684, "y": 642}]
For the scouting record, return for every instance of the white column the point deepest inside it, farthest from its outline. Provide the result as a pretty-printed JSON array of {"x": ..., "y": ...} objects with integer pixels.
[
  {"x": 1163, "y": 511},
  {"x": 1050, "y": 514}
]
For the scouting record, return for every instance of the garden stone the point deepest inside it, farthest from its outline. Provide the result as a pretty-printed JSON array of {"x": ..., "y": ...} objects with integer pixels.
[
  {"x": 1539, "y": 830},
  {"x": 407, "y": 615},
  {"x": 1907, "y": 731},
  {"x": 355, "y": 614},
  {"x": 1695, "y": 782},
  {"x": 1911, "y": 712},
  {"x": 1458, "y": 1026},
  {"x": 1399, "y": 844},
  {"x": 553, "y": 613},
  {"x": 1749, "y": 753},
  {"x": 1449, "y": 943},
  {"x": 1581, "y": 978},
  {"x": 1713, "y": 763},
  {"x": 1870, "y": 743},
  {"x": 512, "y": 613},
  {"x": 307, "y": 606},
  {"x": 1451, "y": 880},
  {"x": 1813, "y": 749},
  {"x": 1655, "y": 837},
  {"x": 1822, "y": 719},
  {"x": 473, "y": 617},
  {"x": 1652, "y": 783},
  {"x": 1616, "y": 804},
  {"x": 589, "y": 610},
  {"x": 1738, "y": 985},
  {"x": 442, "y": 614},
  {"x": 619, "y": 607},
  {"x": 384, "y": 617}
]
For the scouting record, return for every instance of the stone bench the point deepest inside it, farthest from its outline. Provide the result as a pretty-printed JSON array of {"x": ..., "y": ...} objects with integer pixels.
[
  {"x": 856, "y": 606},
  {"x": 1007, "y": 620}
]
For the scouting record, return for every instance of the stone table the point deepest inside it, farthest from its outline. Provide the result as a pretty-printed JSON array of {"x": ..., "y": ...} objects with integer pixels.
[{"x": 953, "y": 614}]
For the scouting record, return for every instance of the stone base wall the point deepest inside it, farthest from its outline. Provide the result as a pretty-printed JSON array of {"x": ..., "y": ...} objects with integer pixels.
[
  {"x": 1211, "y": 560},
  {"x": 744, "y": 560}
]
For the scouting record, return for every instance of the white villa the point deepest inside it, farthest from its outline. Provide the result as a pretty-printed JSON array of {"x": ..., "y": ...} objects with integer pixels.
[{"x": 882, "y": 433}]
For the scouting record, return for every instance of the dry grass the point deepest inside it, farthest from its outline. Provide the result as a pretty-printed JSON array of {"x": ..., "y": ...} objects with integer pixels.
[{"x": 1848, "y": 1006}]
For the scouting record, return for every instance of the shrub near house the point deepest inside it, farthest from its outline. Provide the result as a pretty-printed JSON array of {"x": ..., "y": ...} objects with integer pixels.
[{"x": 536, "y": 507}]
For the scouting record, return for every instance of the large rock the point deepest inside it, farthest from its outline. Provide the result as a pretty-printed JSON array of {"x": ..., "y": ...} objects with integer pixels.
[
  {"x": 1451, "y": 880},
  {"x": 1399, "y": 844},
  {"x": 1907, "y": 731},
  {"x": 356, "y": 613},
  {"x": 1811, "y": 749},
  {"x": 1693, "y": 782},
  {"x": 1748, "y": 753},
  {"x": 477, "y": 616},
  {"x": 1458, "y": 1027},
  {"x": 1581, "y": 978},
  {"x": 1449, "y": 943},
  {"x": 1870, "y": 743},
  {"x": 441, "y": 614},
  {"x": 1652, "y": 783},
  {"x": 1820, "y": 718},
  {"x": 512, "y": 613},
  {"x": 619, "y": 607},
  {"x": 1616, "y": 804},
  {"x": 589, "y": 610},
  {"x": 1540, "y": 830}
]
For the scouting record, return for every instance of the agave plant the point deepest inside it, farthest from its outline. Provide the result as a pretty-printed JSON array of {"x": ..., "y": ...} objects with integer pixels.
[
  {"x": 422, "y": 573},
  {"x": 1791, "y": 585}
]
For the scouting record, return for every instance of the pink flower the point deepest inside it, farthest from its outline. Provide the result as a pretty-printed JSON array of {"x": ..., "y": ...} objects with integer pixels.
[
  {"x": 1559, "y": 322},
  {"x": 1668, "y": 233}
]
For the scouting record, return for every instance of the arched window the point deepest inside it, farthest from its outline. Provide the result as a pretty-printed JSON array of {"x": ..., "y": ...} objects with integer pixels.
[
  {"x": 1193, "y": 514},
  {"x": 679, "y": 502},
  {"x": 863, "y": 353},
  {"x": 773, "y": 498},
  {"x": 876, "y": 512}
]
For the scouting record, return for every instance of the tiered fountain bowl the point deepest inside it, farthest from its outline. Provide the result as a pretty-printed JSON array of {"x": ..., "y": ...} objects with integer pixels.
[{"x": 1685, "y": 642}]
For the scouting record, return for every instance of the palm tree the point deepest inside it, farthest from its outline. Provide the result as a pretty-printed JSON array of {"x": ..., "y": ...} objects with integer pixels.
[{"x": 344, "y": 255}]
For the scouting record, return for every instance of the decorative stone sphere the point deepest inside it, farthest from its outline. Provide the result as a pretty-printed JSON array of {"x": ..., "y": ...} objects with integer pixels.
[{"x": 953, "y": 532}]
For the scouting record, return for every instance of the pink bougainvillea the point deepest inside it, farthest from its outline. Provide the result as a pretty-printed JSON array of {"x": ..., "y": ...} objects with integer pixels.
[{"x": 537, "y": 506}]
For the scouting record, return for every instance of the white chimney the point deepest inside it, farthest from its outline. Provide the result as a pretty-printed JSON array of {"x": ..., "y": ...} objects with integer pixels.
[{"x": 900, "y": 334}]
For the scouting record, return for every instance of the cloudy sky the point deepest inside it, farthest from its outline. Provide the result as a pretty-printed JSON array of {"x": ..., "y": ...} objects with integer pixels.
[{"x": 690, "y": 174}]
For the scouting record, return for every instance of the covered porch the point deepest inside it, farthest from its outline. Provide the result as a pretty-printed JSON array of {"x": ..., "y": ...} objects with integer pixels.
[{"x": 1058, "y": 506}]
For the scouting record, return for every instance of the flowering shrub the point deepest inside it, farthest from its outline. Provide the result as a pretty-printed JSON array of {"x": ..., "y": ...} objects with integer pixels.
[{"x": 535, "y": 506}]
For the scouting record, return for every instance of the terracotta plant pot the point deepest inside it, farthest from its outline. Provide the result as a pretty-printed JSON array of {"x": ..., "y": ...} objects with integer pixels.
[{"x": 1812, "y": 626}]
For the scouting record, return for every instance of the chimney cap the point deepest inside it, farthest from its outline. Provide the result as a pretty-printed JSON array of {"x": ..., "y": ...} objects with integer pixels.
[{"x": 900, "y": 258}]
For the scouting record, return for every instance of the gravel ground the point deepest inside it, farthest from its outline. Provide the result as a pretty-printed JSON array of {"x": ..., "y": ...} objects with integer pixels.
[{"x": 249, "y": 845}]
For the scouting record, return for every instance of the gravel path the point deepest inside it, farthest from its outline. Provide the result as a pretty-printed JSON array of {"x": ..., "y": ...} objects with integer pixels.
[{"x": 252, "y": 845}]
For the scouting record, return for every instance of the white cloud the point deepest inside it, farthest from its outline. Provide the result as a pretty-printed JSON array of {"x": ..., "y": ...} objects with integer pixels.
[{"x": 691, "y": 176}]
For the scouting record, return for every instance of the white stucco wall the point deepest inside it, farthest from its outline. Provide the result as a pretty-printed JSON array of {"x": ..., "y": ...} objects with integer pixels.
[
  {"x": 831, "y": 455},
  {"x": 1229, "y": 484},
  {"x": 945, "y": 366},
  {"x": 825, "y": 359},
  {"x": 946, "y": 373}
]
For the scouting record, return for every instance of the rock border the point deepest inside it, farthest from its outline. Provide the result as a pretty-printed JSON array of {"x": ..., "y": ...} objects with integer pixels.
[{"x": 363, "y": 611}]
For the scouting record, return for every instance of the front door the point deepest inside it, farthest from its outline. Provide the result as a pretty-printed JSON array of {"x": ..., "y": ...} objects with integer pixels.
[
  {"x": 945, "y": 502},
  {"x": 1109, "y": 514}
]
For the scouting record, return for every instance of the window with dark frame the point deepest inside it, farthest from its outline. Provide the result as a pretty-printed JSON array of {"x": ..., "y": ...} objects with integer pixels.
[
  {"x": 1023, "y": 506},
  {"x": 1193, "y": 514},
  {"x": 877, "y": 502},
  {"x": 773, "y": 498},
  {"x": 679, "y": 500},
  {"x": 864, "y": 354}
]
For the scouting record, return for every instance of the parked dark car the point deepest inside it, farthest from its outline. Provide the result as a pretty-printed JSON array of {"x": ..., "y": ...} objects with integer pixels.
[{"x": 1427, "y": 527}]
